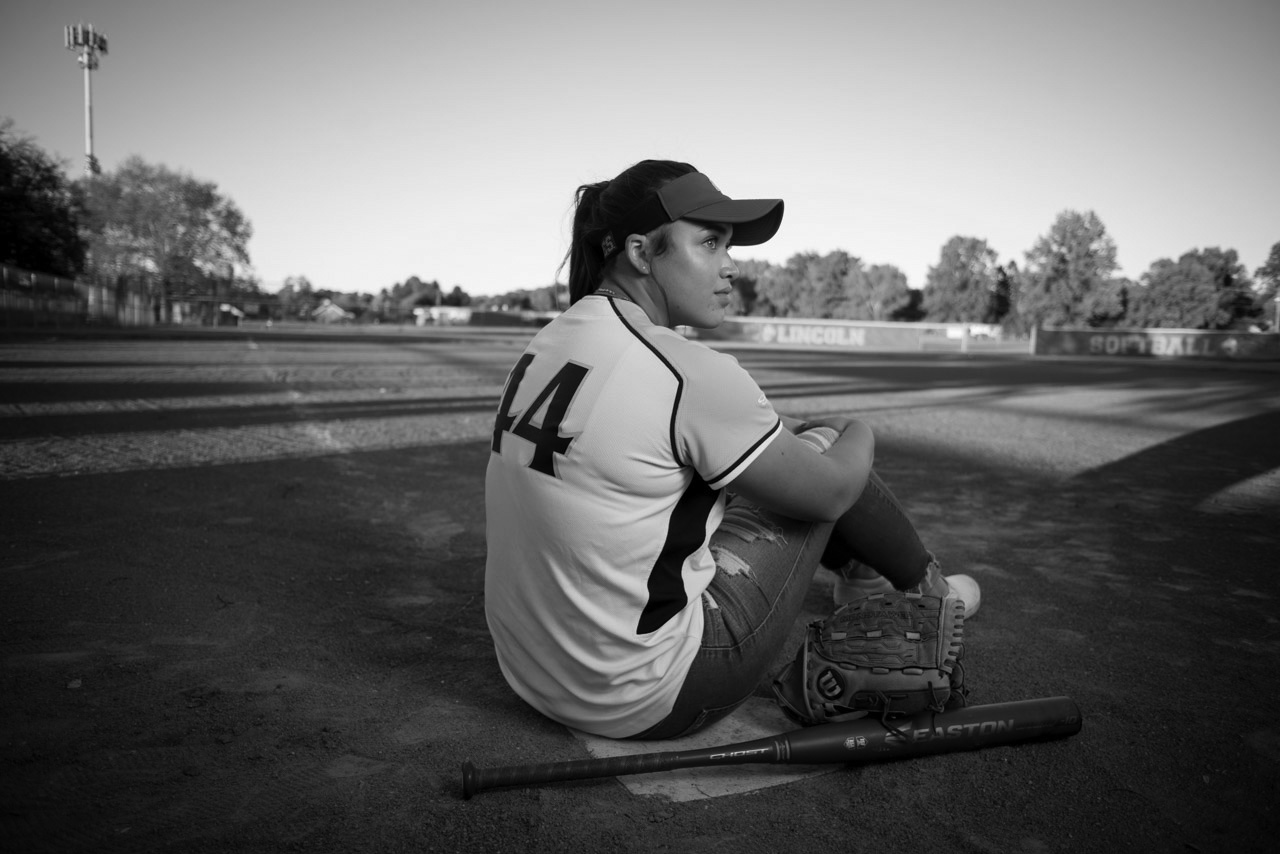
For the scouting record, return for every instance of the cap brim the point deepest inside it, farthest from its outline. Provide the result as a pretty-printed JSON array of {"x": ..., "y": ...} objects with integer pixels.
[
  {"x": 692, "y": 196},
  {"x": 754, "y": 220}
]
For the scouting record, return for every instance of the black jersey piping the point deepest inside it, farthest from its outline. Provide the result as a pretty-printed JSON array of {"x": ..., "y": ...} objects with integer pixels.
[
  {"x": 773, "y": 431},
  {"x": 675, "y": 450},
  {"x": 675, "y": 406}
]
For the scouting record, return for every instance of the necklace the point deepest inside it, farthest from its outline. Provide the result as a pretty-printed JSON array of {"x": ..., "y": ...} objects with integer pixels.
[{"x": 612, "y": 293}]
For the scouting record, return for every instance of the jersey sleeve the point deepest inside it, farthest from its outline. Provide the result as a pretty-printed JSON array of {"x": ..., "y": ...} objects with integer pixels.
[{"x": 724, "y": 420}]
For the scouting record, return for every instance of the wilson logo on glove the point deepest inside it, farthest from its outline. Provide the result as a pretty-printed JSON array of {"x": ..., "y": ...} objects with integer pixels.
[{"x": 830, "y": 685}]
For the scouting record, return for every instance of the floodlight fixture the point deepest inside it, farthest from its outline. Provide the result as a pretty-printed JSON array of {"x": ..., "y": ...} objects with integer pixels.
[{"x": 90, "y": 43}]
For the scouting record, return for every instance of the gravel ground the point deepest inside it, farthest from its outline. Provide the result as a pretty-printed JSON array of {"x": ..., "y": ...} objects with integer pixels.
[{"x": 241, "y": 600}]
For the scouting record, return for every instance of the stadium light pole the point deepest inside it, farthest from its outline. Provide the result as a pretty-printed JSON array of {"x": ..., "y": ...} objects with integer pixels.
[{"x": 90, "y": 43}]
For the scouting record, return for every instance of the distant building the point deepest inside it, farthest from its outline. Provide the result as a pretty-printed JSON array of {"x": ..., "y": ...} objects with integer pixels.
[
  {"x": 442, "y": 315},
  {"x": 330, "y": 312}
]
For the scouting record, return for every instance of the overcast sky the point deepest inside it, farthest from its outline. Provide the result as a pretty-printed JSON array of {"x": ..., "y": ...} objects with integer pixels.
[{"x": 371, "y": 141}]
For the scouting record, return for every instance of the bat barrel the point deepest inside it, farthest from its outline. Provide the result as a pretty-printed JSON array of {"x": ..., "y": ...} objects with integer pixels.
[{"x": 969, "y": 728}]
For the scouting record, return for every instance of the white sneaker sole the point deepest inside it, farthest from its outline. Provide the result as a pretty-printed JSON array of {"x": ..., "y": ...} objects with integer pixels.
[{"x": 966, "y": 589}]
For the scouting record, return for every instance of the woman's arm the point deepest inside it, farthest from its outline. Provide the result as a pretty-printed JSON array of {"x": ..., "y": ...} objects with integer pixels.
[
  {"x": 789, "y": 478},
  {"x": 795, "y": 425}
]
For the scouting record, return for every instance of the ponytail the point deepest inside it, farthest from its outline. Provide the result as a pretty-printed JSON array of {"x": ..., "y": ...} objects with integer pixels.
[
  {"x": 604, "y": 204},
  {"x": 586, "y": 261}
]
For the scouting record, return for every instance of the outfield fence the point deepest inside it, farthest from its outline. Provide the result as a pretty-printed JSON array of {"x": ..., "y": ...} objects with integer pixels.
[
  {"x": 29, "y": 299},
  {"x": 1157, "y": 344},
  {"x": 850, "y": 334}
]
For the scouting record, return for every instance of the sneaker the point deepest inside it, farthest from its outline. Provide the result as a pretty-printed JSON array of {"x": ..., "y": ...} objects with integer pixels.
[
  {"x": 966, "y": 589},
  {"x": 859, "y": 583},
  {"x": 962, "y": 587}
]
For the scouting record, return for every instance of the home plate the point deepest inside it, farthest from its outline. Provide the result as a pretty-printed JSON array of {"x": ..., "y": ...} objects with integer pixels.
[{"x": 756, "y": 718}]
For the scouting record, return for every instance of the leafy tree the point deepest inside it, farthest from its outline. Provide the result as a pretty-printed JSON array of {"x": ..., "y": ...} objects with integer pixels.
[
  {"x": 809, "y": 285},
  {"x": 248, "y": 287},
  {"x": 1002, "y": 297},
  {"x": 1234, "y": 286},
  {"x": 381, "y": 305},
  {"x": 163, "y": 226},
  {"x": 1014, "y": 322},
  {"x": 1267, "y": 289},
  {"x": 1108, "y": 304},
  {"x": 39, "y": 212},
  {"x": 876, "y": 293},
  {"x": 779, "y": 290},
  {"x": 824, "y": 282},
  {"x": 1064, "y": 266},
  {"x": 743, "y": 299},
  {"x": 459, "y": 297},
  {"x": 1204, "y": 289},
  {"x": 1268, "y": 275},
  {"x": 297, "y": 297},
  {"x": 835, "y": 285},
  {"x": 415, "y": 292},
  {"x": 548, "y": 298},
  {"x": 961, "y": 287},
  {"x": 913, "y": 310}
]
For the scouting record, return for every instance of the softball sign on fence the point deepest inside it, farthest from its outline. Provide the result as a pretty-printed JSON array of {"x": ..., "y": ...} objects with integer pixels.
[{"x": 1157, "y": 343}]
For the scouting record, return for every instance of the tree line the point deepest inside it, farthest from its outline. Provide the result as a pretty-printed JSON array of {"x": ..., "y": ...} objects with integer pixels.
[
  {"x": 1067, "y": 279},
  {"x": 176, "y": 237},
  {"x": 298, "y": 299}
]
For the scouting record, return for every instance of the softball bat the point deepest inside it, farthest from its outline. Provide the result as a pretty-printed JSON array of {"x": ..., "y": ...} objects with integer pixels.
[{"x": 866, "y": 739}]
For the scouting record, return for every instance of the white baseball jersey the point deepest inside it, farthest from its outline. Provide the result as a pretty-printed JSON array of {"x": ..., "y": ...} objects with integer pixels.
[{"x": 613, "y": 442}]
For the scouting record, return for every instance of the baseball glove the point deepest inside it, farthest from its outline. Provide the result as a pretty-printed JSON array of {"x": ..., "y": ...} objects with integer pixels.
[{"x": 890, "y": 653}]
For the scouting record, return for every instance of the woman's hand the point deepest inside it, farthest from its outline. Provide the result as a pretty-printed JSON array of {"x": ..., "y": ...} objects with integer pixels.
[{"x": 839, "y": 423}]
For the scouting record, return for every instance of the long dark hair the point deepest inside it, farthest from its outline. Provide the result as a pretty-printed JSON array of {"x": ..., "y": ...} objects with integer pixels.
[{"x": 603, "y": 204}]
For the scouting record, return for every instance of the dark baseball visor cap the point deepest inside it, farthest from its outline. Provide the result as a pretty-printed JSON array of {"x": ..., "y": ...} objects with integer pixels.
[{"x": 692, "y": 196}]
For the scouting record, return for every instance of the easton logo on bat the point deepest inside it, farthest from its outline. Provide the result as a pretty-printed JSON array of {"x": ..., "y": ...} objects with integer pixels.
[
  {"x": 734, "y": 753},
  {"x": 953, "y": 731}
]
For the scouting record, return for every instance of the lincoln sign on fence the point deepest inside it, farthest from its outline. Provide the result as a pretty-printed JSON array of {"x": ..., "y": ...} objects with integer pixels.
[{"x": 842, "y": 334}]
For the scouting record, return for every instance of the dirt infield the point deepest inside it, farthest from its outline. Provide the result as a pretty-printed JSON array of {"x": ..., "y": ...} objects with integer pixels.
[{"x": 241, "y": 590}]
